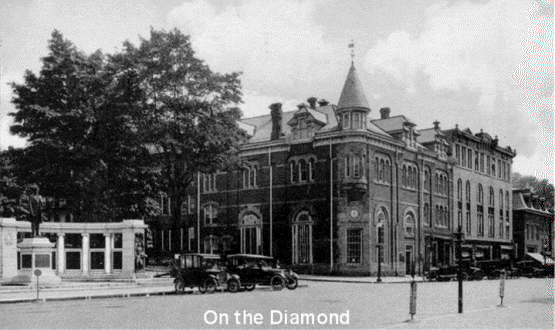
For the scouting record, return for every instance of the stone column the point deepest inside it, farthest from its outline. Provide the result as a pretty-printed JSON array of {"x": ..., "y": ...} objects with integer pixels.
[
  {"x": 108, "y": 253},
  {"x": 8, "y": 248},
  {"x": 61, "y": 253},
  {"x": 85, "y": 254}
]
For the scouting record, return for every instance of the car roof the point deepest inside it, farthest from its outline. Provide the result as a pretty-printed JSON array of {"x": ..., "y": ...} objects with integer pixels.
[
  {"x": 204, "y": 255},
  {"x": 249, "y": 256}
]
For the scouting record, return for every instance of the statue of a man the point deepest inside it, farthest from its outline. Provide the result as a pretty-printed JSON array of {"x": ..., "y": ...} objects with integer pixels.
[{"x": 33, "y": 209}]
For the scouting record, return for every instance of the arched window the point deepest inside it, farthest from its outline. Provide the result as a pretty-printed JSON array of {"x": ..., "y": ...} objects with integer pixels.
[
  {"x": 491, "y": 197},
  {"x": 468, "y": 191},
  {"x": 437, "y": 216},
  {"x": 377, "y": 168},
  {"x": 382, "y": 223},
  {"x": 409, "y": 224},
  {"x": 459, "y": 191},
  {"x": 480, "y": 195},
  {"x": 404, "y": 175},
  {"x": 302, "y": 238},
  {"x": 426, "y": 180},
  {"x": 251, "y": 233}
]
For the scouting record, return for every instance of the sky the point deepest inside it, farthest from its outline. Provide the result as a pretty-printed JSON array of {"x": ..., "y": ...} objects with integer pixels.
[{"x": 485, "y": 65}]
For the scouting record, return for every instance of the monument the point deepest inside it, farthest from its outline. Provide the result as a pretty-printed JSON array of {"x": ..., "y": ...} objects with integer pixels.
[{"x": 35, "y": 252}]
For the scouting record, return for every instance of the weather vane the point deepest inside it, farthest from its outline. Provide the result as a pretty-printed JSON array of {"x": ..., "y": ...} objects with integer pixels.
[{"x": 352, "y": 46}]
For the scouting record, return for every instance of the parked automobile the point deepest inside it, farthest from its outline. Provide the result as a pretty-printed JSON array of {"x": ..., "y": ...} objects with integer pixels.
[
  {"x": 252, "y": 270},
  {"x": 447, "y": 273},
  {"x": 529, "y": 268},
  {"x": 204, "y": 271}
]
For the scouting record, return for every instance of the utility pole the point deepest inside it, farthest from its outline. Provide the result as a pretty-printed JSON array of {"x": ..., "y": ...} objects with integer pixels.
[{"x": 459, "y": 236}]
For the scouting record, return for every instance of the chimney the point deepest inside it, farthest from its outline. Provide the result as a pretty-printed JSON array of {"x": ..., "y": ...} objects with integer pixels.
[
  {"x": 384, "y": 112},
  {"x": 312, "y": 102},
  {"x": 301, "y": 105},
  {"x": 323, "y": 102},
  {"x": 436, "y": 124},
  {"x": 276, "y": 115}
]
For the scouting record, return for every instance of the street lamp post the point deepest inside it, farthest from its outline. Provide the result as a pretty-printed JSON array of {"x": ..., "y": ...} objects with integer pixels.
[
  {"x": 459, "y": 236},
  {"x": 379, "y": 246}
]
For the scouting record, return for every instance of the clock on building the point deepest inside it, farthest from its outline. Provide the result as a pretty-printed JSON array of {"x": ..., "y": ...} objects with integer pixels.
[{"x": 354, "y": 213}]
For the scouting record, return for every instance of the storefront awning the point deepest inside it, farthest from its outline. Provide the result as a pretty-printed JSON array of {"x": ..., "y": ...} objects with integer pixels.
[
  {"x": 507, "y": 247},
  {"x": 466, "y": 246},
  {"x": 540, "y": 258}
]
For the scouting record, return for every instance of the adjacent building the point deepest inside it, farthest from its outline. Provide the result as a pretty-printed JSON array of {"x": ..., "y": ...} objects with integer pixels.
[{"x": 531, "y": 223}]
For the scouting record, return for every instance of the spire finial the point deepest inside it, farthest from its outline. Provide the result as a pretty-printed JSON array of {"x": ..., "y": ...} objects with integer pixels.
[{"x": 352, "y": 47}]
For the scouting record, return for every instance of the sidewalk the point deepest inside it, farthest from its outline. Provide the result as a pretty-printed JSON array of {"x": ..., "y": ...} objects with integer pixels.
[
  {"x": 523, "y": 315},
  {"x": 86, "y": 290},
  {"x": 361, "y": 279}
]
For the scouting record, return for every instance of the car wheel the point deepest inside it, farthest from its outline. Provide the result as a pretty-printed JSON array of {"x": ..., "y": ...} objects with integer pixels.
[
  {"x": 179, "y": 287},
  {"x": 464, "y": 276},
  {"x": 277, "y": 282},
  {"x": 479, "y": 276},
  {"x": 233, "y": 286},
  {"x": 292, "y": 284},
  {"x": 202, "y": 289},
  {"x": 250, "y": 287},
  {"x": 210, "y": 285}
]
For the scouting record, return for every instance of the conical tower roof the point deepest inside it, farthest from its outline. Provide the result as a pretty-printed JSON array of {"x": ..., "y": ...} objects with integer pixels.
[{"x": 352, "y": 95}]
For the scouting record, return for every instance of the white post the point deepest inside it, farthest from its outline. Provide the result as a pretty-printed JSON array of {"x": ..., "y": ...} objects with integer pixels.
[
  {"x": 61, "y": 253},
  {"x": 108, "y": 253},
  {"x": 331, "y": 209},
  {"x": 85, "y": 251}
]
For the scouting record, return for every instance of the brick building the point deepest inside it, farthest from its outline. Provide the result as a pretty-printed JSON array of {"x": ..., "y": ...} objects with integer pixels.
[
  {"x": 531, "y": 223},
  {"x": 482, "y": 194},
  {"x": 334, "y": 186}
]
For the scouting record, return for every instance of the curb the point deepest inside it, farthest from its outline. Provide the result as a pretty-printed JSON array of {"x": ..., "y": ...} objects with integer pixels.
[
  {"x": 357, "y": 281},
  {"x": 105, "y": 296}
]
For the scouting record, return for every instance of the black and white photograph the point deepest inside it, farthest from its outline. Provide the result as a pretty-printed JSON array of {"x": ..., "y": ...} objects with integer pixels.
[{"x": 277, "y": 164}]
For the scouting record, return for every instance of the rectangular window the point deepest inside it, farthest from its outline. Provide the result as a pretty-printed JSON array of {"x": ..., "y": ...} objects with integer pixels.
[
  {"x": 354, "y": 246},
  {"x": 346, "y": 120},
  {"x": 469, "y": 158},
  {"x": 458, "y": 154},
  {"x": 482, "y": 162},
  {"x": 488, "y": 165},
  {"x": 356, "y": 120},
  {"x": 209, "y": 214},
  {"x": 463, "y": 157},
  {"x": 468, "y": 223}
]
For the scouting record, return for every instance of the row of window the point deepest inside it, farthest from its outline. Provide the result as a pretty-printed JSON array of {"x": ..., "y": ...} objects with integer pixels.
[
  {"x": 482, "y": 163},
  {"x": 302, "y": 170},
  {"x": 354, "y": 120},
  {"x": 409, "y": 176},
  {"x": 383, "y": 170},
  {"x": 354, "y": 166}
]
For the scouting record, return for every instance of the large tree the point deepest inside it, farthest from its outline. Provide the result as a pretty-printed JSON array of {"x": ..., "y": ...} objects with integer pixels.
[
  {"x": 80, "y": 129},
  {"x": 192, "y": 111}
]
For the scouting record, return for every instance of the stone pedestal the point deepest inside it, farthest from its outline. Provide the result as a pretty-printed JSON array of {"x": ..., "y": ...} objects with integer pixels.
[{"x": 36, "y": 253}]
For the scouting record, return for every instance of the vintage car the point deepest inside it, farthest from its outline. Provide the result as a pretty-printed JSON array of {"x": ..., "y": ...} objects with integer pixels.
[
  {"x": 251, "y": 270},
  {"x": 446, "y": 273},
  {"x": 204, "y": 271},
  {"x": 530, "y": 268}
]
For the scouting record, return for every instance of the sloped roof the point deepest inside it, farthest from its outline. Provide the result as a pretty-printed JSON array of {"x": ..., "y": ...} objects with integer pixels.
[
  {"x": 391, "y": 124},
  {"x": 352, "y": 95},
  {"x": 320, "y": 117},
  {"x": 326, "y": 114},
  {"x": 428, "y": 135},
  {"x": 250, "y": 129}
]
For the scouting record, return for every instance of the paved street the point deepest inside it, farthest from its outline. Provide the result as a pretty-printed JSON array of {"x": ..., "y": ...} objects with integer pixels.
[{"x": 529, "y": 305}]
